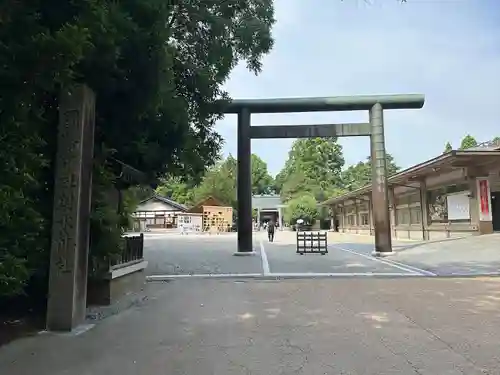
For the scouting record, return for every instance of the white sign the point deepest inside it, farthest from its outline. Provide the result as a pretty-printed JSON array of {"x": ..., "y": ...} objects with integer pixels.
[{"x": 458, "y": 206}]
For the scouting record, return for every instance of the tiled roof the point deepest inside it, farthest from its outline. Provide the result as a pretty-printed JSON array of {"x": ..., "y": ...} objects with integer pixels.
[
  {"x": 266, "y": 201},
  {"x": 167, "y": 201}
]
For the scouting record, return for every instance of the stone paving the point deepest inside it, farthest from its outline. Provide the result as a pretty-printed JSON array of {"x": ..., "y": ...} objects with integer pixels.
[{"x": 425, "y": 326}]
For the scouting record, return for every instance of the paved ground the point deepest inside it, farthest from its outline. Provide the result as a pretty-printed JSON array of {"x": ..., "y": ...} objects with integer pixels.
[
  {"x": 349, "y": 255},
  {"x": 464, "y": 256},
  {"x": 423, "y": 326},
  {"x": 255, "y": 322}
]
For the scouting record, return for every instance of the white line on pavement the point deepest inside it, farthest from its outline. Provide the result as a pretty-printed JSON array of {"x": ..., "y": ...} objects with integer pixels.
[
  {"x": 403, "y": 267},
  {"x": 265, "y": 263},
  {"x": 287, "y": 275},
  {"x": 278, "y": 275},
  {"x": 420, "y": 270},
  {"x": 200, "y": 276}
]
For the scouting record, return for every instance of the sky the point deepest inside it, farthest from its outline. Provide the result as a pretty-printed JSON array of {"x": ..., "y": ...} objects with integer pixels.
[{"x": 448, "y": 50}]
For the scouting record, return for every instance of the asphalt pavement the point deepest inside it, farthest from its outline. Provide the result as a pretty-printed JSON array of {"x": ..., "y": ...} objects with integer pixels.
[
  {"x": 420, "y": 326},
  {"x": 278, "y": 312},
  {"x": 177, "y": 256}
]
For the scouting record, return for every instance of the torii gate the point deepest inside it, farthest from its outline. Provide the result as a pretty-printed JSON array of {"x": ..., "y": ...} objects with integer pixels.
[{"x": 375, "y": 104}]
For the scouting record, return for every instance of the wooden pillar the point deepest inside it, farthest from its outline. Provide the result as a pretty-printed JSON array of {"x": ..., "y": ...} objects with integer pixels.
[
  {"x": 393, "y": 218},
  {"x": 424, "y": 210}
]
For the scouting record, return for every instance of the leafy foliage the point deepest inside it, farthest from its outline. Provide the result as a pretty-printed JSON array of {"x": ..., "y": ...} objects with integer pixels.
[
  {"x": 314, "y": 165},
  {"x": 467, "y": 142},
  {"x": 302, "y": 207},
  {"x": 447, "y": 148},
  {"x": 220, "y": 182},
  {"x": 176, "y": 189},
  {"x": 157, "y": 69},
  {"x": 359, "y": 175},
  {"x": 262, "y": 181}
]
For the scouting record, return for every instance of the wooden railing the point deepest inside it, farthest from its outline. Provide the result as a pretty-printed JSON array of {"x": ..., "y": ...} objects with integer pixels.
[{"x": 134, "y": 251}]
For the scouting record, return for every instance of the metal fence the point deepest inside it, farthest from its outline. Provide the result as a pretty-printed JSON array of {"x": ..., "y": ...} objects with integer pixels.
[{"x": 312, "y": 243}]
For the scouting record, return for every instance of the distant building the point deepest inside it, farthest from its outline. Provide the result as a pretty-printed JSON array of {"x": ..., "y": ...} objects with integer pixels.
[
  {"x": 452, "y": 195},
  {"x": 269, "y": 207},
  {"x": 211, "y": 214},
  {"x": 157, "y": 212}
]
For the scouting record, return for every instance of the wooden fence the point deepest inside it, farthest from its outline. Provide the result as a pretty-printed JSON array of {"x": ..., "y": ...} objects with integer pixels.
[{"x": 133, "y": 251}]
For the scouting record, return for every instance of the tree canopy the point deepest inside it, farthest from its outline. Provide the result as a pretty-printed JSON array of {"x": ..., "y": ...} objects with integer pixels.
[
  {"x": 220, "y": 182},
  {"x": 447, "y": 148},
  {"x": 302, "y": 207},
  {"x": 359, "y": 175},
  {"x": 467, "y": 142},
  {"x": 157, "y": 68},
  {"x": 314, "y": 165}
]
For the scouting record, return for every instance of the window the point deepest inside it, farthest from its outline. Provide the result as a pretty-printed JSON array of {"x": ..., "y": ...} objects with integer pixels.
[
  {"x": 437, "y": 202},
  {"x": 364, "y": 219},
  {"x": 415, "y": 215},
  {"x": 350, "y": 220},
  {"x": 402, "y": 216},
  {"x": 363, "y": 206},
  {"x": 185, "y": 219}
]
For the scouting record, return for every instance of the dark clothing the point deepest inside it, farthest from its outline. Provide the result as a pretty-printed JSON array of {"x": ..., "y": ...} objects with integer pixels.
[
  {"x": 270, "y": 227},
  {"x": 270, "y": 231},
  {"x": 270, "y": 235}
]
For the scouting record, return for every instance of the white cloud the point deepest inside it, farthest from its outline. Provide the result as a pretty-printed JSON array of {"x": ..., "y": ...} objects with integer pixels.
[{"x": 448, "y": 50}]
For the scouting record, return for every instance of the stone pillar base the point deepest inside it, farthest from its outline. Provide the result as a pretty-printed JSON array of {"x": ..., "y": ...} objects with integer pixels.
[{"x": 381, "y": 254}]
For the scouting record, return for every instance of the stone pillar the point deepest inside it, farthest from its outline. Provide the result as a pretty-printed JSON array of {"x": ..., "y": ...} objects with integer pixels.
[
  {"x": 483, "y": 205},
  {"x": 244, "y": 185},
  {"x": 424, "y": 210},
  {"x": 258, "y": 218},
  {"x": 380, "y": 198},
  {"x": 67, "y": 297}
]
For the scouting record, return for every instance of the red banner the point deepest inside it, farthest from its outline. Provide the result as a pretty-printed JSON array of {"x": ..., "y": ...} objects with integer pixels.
[{"x": 483, "y": 196}]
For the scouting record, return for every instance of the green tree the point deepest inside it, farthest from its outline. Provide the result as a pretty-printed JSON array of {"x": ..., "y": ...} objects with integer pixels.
[
  {"x": 314, "y": 165},
  {"x": 448, "y": 147},
  {"x": 176, "y": 189},
  {"x": 262, "y": 181},
  {"x": 221, "y": 181},
  {"x": 302, "y": 207},
  {"x": 359, "y": 175},
  {"x": 157, "y": 69},
  {"x": 467, "y": 142}
]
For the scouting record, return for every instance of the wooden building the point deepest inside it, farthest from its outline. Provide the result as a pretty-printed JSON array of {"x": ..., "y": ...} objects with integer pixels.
[
  {"x": 452, "y": 195},
  {"x": 157, "y": 212},
  {"x": 216, "y": 217}
]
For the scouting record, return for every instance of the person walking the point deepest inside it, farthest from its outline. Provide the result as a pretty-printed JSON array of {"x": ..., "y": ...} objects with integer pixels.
[{"x": 270, "y": 230}]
